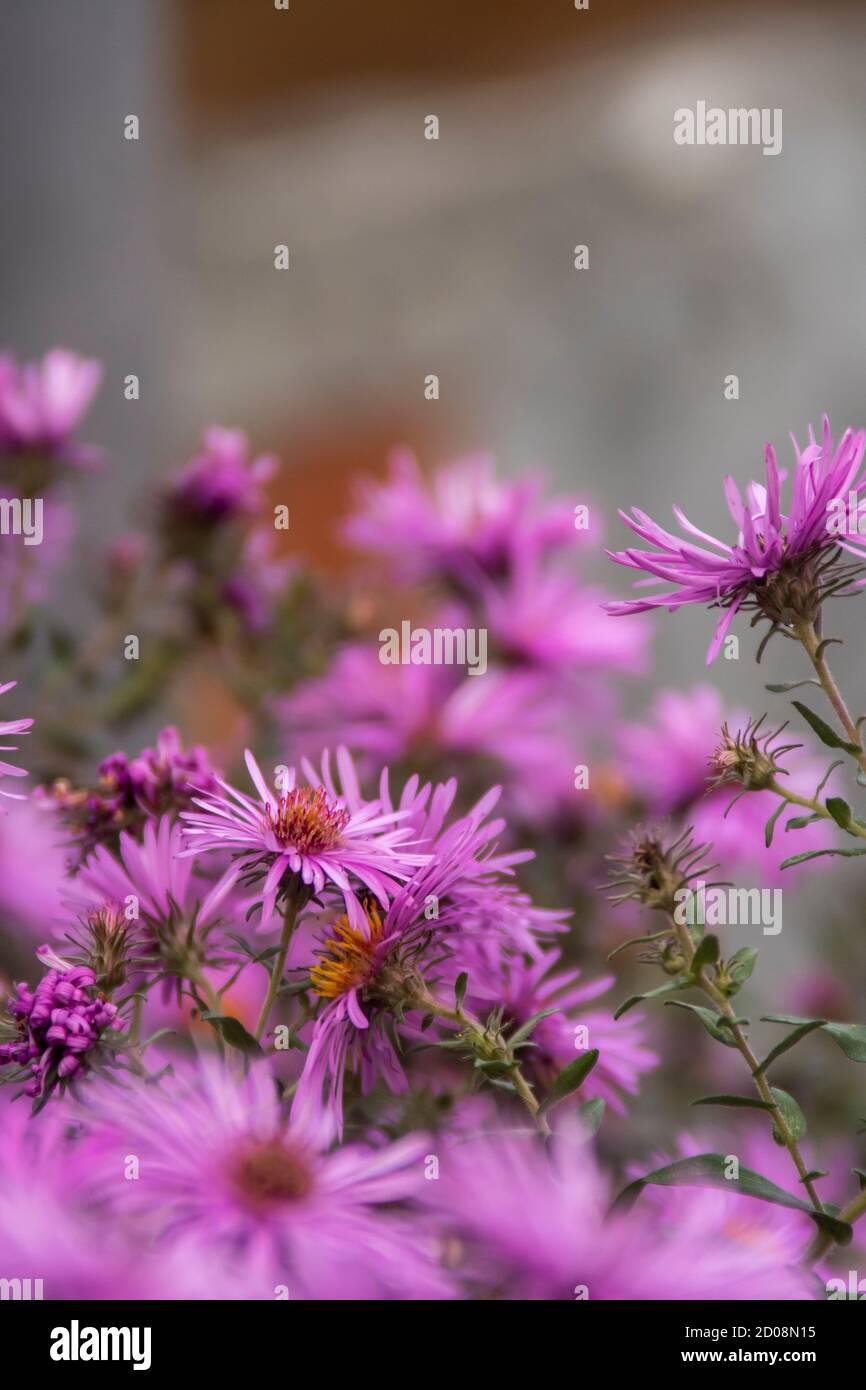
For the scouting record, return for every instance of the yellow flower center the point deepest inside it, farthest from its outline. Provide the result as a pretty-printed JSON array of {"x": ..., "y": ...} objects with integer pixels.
[
  {"x": 347, "y": 958},
  {"x": 307, "y": 820}
]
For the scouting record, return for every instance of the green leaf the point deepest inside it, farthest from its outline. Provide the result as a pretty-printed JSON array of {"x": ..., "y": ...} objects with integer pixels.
[
  {"x": 591, "y": 1114},
  {"x": 707, "y": 953},
  {"x": 741, "y": 964},
  {"x": 771, "y": 823},
  {"x": 651, "y": 994},
  {"x": 570, "y": 1079},
  {"x": 519, "y": 1037},
  {"x": 786, "y": 686},
  {"x": 823, "y": 729},
  {"x": 820, "y": 854},
  {"x": 748, "y": 1102},
  {"x": 708, "y": 1170},
  {"x": 851, "y": 1037},
  {"x": 839, "y": 810},
  {"x": 825, "y": 779},
  {"x": 786, "y": 1043},
  {"x": 798, "y": 822},
  {"x": 460, "y": 987},
  {"x": 714, "y": 1023},
  {"x": 234, "y": 1033},
  {"x": 791, "y": 1114}
]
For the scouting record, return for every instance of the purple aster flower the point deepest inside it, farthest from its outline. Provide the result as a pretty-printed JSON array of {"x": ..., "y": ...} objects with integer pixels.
[
  {"x": 59, "y": 1023},
  {"x": 222, "y": 482},
  {"x": 783, "y": 563},
  {"x": 223, "y": 1173},
  {"x": 50, "y": 1232},
  {"x": 317, "y": 836},
  {"x": 545, "y": 619},
  {"x": 369, "y": 973},
  {"x": 176, "y": 914},
  {"x": 463, "y": 525},
  {"x": 526, "y": 986},
  {"x": 159, "y": 781},
  {"x": 14, "y": 727},
  {"x": 154, "y": 871},
  {"x": 533, "y": 1223},
  {"x": 42, "y": 404}
]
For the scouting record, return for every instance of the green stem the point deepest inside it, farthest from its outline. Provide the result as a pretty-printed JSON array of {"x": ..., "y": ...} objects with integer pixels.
[
  {"x": 816, "y": 807},
  {"x": 823, "y": 1241},
  {"x": 740, "y": 1042},
  {"x": 474, "y": 1031},
  {"x": 290, "y": 917},
  {"x": 812, "y": 645}
]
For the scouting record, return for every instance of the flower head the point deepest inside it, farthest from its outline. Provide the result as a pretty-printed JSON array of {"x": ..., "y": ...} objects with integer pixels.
[
  {"x": 314, "y": 837},
  {"x": 224, "y": 1173},
  {"x": 159, "y": 781},
  {"x": 465, "y": 525},
  {"x": 783, "y": 564},
  {"x": 221, "y": 483},
  {"x": 372, "y": 975},
  {"x": 59, "y": 1023},
  {"x": 42, "y": 404},
  {"x": 533, "y": 1224}
]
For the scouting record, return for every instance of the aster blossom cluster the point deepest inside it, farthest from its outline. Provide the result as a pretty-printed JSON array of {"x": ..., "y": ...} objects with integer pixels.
[{"x": 333, "y": 1007}]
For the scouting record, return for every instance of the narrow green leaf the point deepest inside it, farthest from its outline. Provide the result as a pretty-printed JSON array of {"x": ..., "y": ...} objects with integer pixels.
[
  {"x": 839, "y": 810},
  {"x": 570, "y": 1079},
  {"x": 798, "y": 822},
  {"x": 851, "y": 1037},
  {"x": 823, "y": 729},
  {"x": 748, "y": 1102},
  {"x": 714, "y": 1023},
  {"x": 460, "y": 987},
  {"x": 771, "y": 823},
  {"x": 786, "y": 686},
  {"x": 820, "y": 854},
  {"x": 651, "y": 994},
  {"x": 786, "y": 1043},
  {"x": 709, "y": 1170},
  {"x": 791, "y": 1114},
  {"x": 234, "y": 1033},
  {"x": 525, "y": 1029}
]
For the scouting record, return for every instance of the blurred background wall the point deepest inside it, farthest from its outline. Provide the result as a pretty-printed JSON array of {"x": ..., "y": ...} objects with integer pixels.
[{"x": 453, "y": 257}]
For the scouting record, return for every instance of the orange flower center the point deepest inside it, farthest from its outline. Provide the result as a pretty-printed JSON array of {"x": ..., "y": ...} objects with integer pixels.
[
  {"x": 307, "y": 820},
  {"x": 347, "y": 958}
]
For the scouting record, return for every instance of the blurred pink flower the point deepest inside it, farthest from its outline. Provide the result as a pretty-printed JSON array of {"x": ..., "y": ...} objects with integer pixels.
[
  {"x": 43, "y": 403},
  {"x": 462, "y": 524}
]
